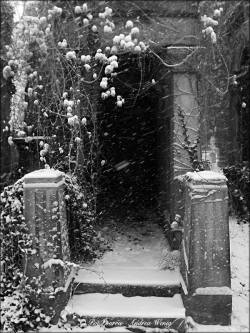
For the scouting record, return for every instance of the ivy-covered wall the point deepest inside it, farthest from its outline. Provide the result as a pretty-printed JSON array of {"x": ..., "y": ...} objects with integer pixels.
[{"x": 6, "y": 90}]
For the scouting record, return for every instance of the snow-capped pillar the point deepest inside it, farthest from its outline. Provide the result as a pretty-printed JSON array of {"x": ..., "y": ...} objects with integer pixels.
[
  {"x": 45, "y": 215},
  {"x": 206, "y": 248}
]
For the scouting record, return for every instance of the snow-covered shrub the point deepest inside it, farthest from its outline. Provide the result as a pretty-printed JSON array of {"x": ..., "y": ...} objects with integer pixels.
[
  {"x": 18, "y": 312},
  {"x": 15, "y": 238},
  {"x": 21, "y": 295}
]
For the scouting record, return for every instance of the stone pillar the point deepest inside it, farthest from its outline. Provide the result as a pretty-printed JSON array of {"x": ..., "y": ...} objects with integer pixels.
[
  {"x": 45, "y": 215},
  {"x": 185, "y": 127},
  {"x": 185, "y": 114},
  {"x": 206, "y": 248}
]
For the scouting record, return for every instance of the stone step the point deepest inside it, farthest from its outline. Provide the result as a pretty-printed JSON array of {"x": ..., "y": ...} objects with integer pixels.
[
  {"x": 129, "y": 282},
  {"x": 119, "y": 311}
]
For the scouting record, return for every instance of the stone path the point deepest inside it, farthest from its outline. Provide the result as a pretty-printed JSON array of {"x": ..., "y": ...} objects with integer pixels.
[
  {"x": 136, "y": 241},
  {"x": 128, "y": 287}
]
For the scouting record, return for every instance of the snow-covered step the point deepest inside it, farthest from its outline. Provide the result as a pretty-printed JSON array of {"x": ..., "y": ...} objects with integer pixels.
[
  {"x": 129, "y": 282},
  {"x": 118, "y": 310}
]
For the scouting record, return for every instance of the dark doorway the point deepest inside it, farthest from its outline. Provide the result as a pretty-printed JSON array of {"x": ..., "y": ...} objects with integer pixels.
[{"x": 129, "y": 139}]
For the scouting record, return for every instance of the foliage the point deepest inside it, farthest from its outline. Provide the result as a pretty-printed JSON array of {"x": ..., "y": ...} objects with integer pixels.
[
  {"x": 14, "y": 237},
  {"x": 7, "y": 87},
  {"x": 85, "y": 243},
  {"x": 20, "y": 305},
  {"x": 67, "y": 72},
  {"x": 56, "y": 51},
  {"x": 7, "y": 13},
  {"x": 239, "y": 190},
  {"x": 17, "y": 311},
  {"x": 222, "y": 76},
  {"x": 61, "y": 75},
  {"x": 65, "y": 63}
]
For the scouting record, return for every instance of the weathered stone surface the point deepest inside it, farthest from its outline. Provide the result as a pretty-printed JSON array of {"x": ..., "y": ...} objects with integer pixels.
[
  {"x": 209, "y": 309},
  {"x": 185, "y": 118},
  {"x": 45, "y": 213},
  {"x": 206, "y": 247},
  {"x": 117, "y": 310},
  {"x": 164, "y": 138},
  {"x": 129, "y": 282}
]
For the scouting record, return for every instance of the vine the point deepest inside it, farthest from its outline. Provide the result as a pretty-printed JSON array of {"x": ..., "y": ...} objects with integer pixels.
[
  {"x": 20, "y": 305},
  {"x": 191, "y": 148},
  {"x": 65, "y": 61}
]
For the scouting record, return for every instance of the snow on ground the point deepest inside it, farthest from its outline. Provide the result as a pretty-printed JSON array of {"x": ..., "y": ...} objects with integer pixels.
[
  {"x": 239, "y": 240},
  {"x": 94, "y": 329}
]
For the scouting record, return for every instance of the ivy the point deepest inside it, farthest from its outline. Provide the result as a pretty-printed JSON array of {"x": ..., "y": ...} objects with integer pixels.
[
  {"x": 18, "y": 312},
  {"x": 239, "y": 190},
  {"x": 85, "y": 243},
  {"x": 21, "y": 295}
]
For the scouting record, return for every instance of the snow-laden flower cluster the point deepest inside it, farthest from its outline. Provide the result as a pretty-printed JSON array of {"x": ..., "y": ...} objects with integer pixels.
[
  {"x": 44, "y": 151},
  {"x": 128, "y": 42},
  {"x": 60, "y": 97},
  {"x": 29, "y": 30},
  {"x": 209, "y": 23},
  {"x": 120, "y": 101},
  {"x": 55, "y": 11},
  {"x": 73, "y": 120},
  {"x": 81, "y": 9},
  {"x": 39, "y": 30},
  {"x": 210, "y": 32},
  {"x": 108, "y": 24},
  {"x": 110, "y": 92},
  {"x": 218, "y": 11},
  {"x": 63, "y": 44},
  {"x": 104, "y": 83},
  {"x": 84, "y": 121},
  {"x": 107, "y": 13},
  {"x": 70, "y": 55},
  {"x": 86, "y": 58},
  {"x": 18, "y": 103}
]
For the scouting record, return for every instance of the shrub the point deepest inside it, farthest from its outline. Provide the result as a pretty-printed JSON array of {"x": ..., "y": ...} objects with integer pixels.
[
  {"x": 239, "y": 189},
  {"x": 17, "y": 312},
  {"x": 85, "y": 242},
  {"x": 19, "y": 294}
]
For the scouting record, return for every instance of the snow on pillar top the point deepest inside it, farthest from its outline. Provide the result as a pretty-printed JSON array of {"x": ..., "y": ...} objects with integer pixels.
[
  {"x": 44, "y": 178},
  {"x": 205, "y": 177}
]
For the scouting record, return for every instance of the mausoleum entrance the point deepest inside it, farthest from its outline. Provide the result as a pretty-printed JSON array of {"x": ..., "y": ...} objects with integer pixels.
[{"x": 132, "y": 143}]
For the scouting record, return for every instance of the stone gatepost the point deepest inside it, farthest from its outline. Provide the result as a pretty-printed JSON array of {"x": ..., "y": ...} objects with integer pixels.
[
  {"x": 45, "y": 215},
  {"x": 206, "y": 248}
]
